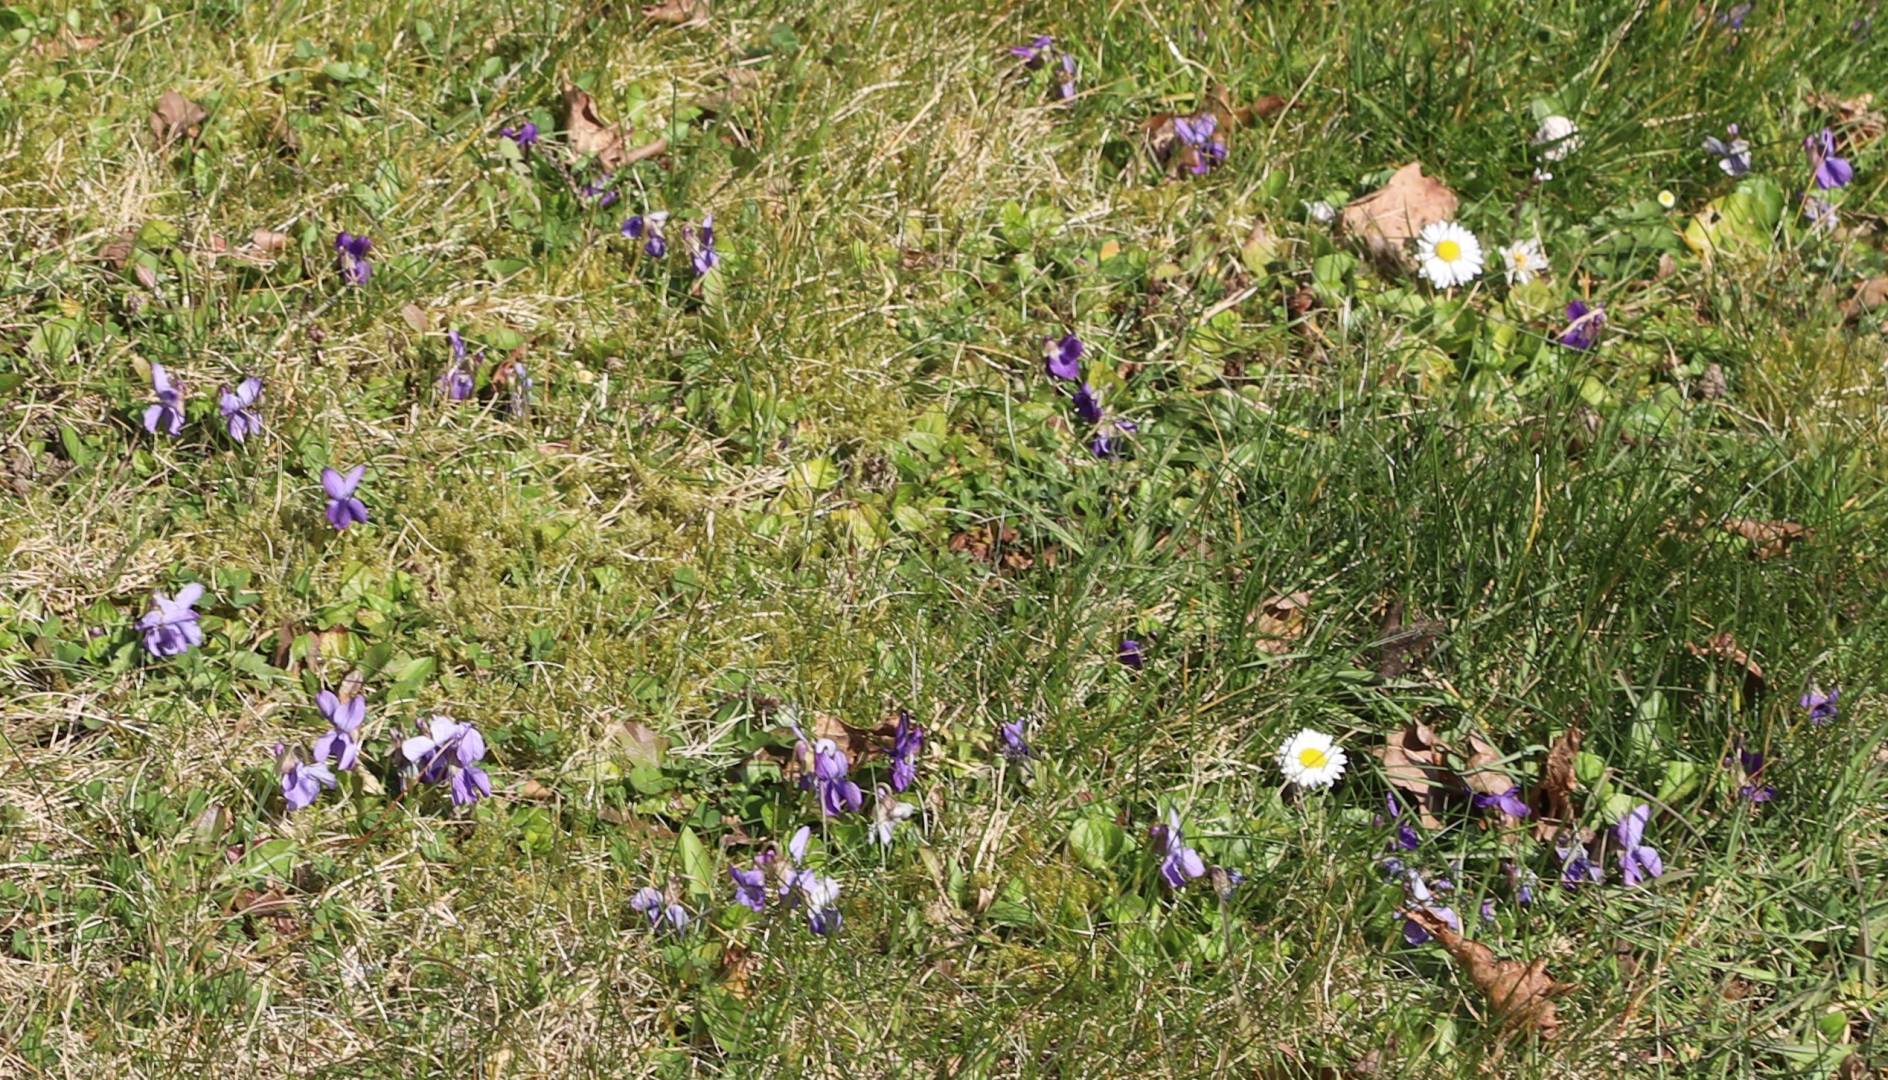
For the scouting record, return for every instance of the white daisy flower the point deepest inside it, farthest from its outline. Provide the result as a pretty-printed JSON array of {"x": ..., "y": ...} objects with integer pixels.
[
  {"x": 1559, "y": 135},
  {"x": 1448, "y": 254},
  {"x": 1321, "y": 212},
  {"x": 1524, "y": 261},
  {"x": 1311, "y": 760}
]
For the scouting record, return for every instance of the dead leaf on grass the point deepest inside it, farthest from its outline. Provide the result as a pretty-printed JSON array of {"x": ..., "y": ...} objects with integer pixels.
[
  {"x": 1387, "y": 219},
  {"x": 738, "y": 83},
  {"x": 1402, "y": 645},
  {"x": 415, "y": 316},
  {"x": 1278, "y": 623},
  {"x": 1860, "y": 122},
  {"x": 588, "y": 134},
  {"x": 176, "y": 117},
  {"x": 1413, "y": 766},
  {"x": 1482, "y": 770},
  {"x": 1724, "y": 647},
  {"x": 678, "y": 12},
  {"x": 1869, "y": 295},
  {"x": 1768, "y": 538},
  {"x": 1552, "y": 798},
  {"x": 1520, "y": 995}
]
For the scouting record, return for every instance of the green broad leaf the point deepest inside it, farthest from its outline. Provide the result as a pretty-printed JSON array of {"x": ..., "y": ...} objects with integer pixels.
[
  {"x": 698, "y": 866},
  {"x": 1096, "y": 842},
  {"x": 410, "y": 677},
  {"x": 271, "y": 859},
  {"x": 1681, "y": 778}
]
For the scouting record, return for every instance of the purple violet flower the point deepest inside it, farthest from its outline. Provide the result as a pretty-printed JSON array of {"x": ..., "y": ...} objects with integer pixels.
[
  {"x": 1179, "y": 863},
  {"x": 750, "y": 886},
  {"x": 1014, "y": 745},
  {"x": 1131, "y": 655},
  {"x": 525, "y": 135},
  {"x": 1064, "y": 357},
  {"x": 1508, "y": 802},
  {"x": 450, "y": 749},
  {"x": 1201, "y": 132},
  {"x": 168, "y": 412},
  {"x": 1420, "y": 896},
  {"x": 830, "y": 766},
  {"x": 1406, "y": 837},
  {"x": 599, "y": 192},
  {"x": 458, "y": 382},
  {"x": 1821, "y": 213},
  {"x": 1065, "y": 82},
  {"x": 821, "y": 895},
  {"x": 1576, "y": 867},
  {"x": 344, "y": 508},
  {"x": 1488, "y": 909},
  {"x": 1829, "y": 171},
  {"x": 1821, "y": 706},
  {"x": 1088, "y": 405},
  {"x": 170, "y": 627},
  {"x": 1033, "y": 54},
  {"x": 907, "y": 741},
  {"x": 344, "y": 719},
  {"x": 1733, "y": 19},
  {"x": 1750, "y": 765},
  {"x": 652, "y": 903},
  {"x": 648, "y": 229},
  {"x": 352, "y": 251},
  {"x": 700, "y": 241},
  {"x": 301, "y": 780},
  {"x": 1733, "y": 156},
  {"x": 1583, "y": 325},
  {"x": 1637, "y": 861},
  {"x": 238, "y": 408},
  {"x": 887, "y": 812}
]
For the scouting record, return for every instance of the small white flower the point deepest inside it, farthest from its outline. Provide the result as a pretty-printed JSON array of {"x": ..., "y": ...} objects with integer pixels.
[
  {"x": 1321, "y": 212},
  {"x": 1667, "y": 199},
  {"x": 1524, "y": 261},
  {"x": 1311, "y": 760},
  {"x": 1448, "y": 254},
  {"x": 1559, "y": 135}
]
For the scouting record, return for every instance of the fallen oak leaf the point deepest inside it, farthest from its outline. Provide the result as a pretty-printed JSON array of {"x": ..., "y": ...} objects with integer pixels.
[
  {"x": 176, "y": 117},
  {"x": 1520, "y": 995},
  {"x": 1482, "y": 770},
  {"x": 588, "y": 134},
  {"x": 1411, "y": 765},
  {"x": 1278, "y": 623},
  {"x": 1862, "y": 123},
  {"x": 1390, "y": 217},
  {"x": 1869, "y": 295},
  {"x": 1723, "y": 646},
  {"x": 678, "y": 12},
  {"x": 1768, "y": 538},
  {"x": 1552, "y": 798}
]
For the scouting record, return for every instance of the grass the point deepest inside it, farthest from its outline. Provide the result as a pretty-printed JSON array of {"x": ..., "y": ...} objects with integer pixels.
[{"x": 832, "y": 477}]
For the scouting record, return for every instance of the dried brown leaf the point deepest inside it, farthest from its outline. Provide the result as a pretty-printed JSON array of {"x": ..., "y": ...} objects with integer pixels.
[
  {"x": 636, "y": 743},
  {"x": 1278, "y": 623},
  {"x": 1520, "y": 995},
  {"x": 1552, "y": 798},
  {"x": 1402, "y": 645},
  {"x": 176, "y": 117},
  {"x": 737, "y": 84},
  {"x": 537, "y": 792},
  {"x": 1860, "y": 122},
  {"x": 678, "y": 12},
  {"x": 1768, "y": 538},
  {"x": 1724, "y": 646},
  {"x": 118, "y": 251},
  {"x": 1388, "y": 218},
  {"x": 588, "y": 134},
  {"x": 1482, "y": 770},
  {"x": 1869, "y": 295},
  {"x": 1712, "y": 385},
  {"x": 1413, "y": 766}
]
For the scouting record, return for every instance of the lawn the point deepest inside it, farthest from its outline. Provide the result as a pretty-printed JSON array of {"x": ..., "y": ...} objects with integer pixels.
[{"x": 890, "y": 540}]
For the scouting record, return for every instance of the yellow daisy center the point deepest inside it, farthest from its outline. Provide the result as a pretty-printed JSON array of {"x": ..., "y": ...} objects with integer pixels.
[
  {"x": 1313, "y": 758},
  {"x": 1448, "y": 251},
  {"x": 1519, "y": 259}
]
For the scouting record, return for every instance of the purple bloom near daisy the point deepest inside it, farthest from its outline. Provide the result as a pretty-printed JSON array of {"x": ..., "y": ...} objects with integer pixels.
[
  {"x": 1733, "y": 154},
  {"x": 1421, "y": 896},
  {"x": 1637, "y": 860},
  {"x": 525, "y": 135},
  {"x": 1179, "y": 863},
  {"x": 907, "y": 741},
  {"x": 1406, "y": 837},
  {"x": 170, "y": 627},
  {"x": 700, "y": 241},
  {"x": 340, "y": 742},
  {"x": 1821, "y": 706},
  {"x": 167, "y": 413},
  {"x": 1508, "y": 802},
  {"x": 648, "y": 229},
  {"x": 450, "y": 750},
  {"x": 301, "y": 780},
  {"x": 1828, "y": 171},
  {"x": 344, "y": 508},
  {"x": 352, "y": 252},
  {"x": 1063, "y": 357},
  {"x": 1583, "y": 325},
  {"x": 238, "y": 408}
]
